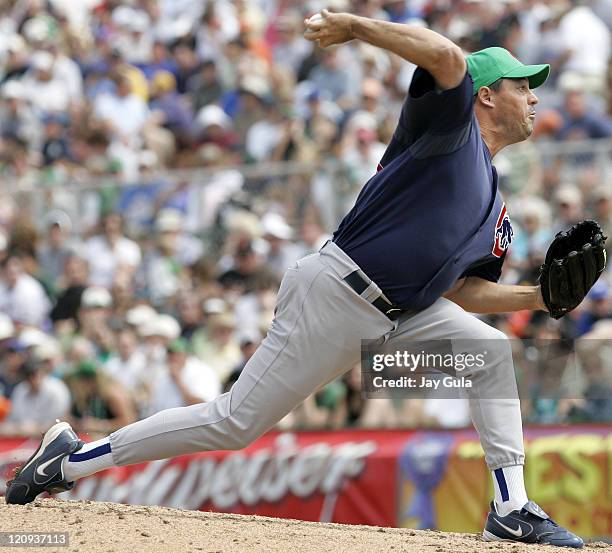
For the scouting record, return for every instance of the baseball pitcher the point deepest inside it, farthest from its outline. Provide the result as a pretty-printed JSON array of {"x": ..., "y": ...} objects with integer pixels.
[{"x": 422, "y": 248}]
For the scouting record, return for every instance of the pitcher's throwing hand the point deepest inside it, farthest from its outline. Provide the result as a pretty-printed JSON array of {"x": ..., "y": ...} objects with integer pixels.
[{"x": 327, "y": 29}]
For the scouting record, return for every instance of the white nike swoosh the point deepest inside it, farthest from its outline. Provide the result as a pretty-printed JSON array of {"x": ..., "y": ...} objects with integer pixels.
[
  {"x": 518, "y": 532},
  {"x": 41, "y": 468}
]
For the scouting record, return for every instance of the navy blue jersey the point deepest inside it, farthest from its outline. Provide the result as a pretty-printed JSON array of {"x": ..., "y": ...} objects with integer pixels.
[{"x": 432, "y": 213}]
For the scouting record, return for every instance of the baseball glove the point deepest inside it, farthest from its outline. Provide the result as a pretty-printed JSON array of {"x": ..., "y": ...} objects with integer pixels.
[{"x": 574, "y": 261}]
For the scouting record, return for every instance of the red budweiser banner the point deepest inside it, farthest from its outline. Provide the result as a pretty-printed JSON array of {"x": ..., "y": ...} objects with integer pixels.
[{"x": 386, "y": 478}]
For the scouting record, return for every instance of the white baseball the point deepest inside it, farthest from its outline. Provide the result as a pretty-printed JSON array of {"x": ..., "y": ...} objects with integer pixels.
[{"x": 315, "y": 18}]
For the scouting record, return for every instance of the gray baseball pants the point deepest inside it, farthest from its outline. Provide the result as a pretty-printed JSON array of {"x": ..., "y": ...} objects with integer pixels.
[{"x": 316, "y": 337}]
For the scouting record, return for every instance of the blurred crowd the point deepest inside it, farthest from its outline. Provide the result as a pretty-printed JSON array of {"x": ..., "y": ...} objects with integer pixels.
[{"x": 131, "y": 281}]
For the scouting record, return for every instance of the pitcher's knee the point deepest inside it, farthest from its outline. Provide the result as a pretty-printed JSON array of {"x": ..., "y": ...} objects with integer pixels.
[
  {"x": 240, "y": 435},
  {"x": 491, "y": 348}
]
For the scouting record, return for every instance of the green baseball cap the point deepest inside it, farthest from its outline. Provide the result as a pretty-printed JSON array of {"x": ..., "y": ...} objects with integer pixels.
[
  {"x": 490, "y": 64},
  {"x": 85, "y": 369}
]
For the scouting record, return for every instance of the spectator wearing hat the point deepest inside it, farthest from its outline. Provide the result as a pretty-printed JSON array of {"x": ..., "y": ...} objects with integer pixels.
[
  {"x": 217, "y": 345},
  {"x": 211, "y": 307},
  {"x": 362, "y": 151},
  {"x": 94, "y": 317},
  {"x": 161, "y": 328},
  {"x": 172, "y": 220},
  {"x": 138, "y": 315},
  {"x": 111, "y": 255},
  {"x": 44, "y": 90},
  {"x": 214, "y": 306},
  {"x": 49, "y": 356},
  {"x": 161, "y": 268},
  {"x": 216, "y": 127},
  {"x": 21, "y": 296},
  {"x": 31, "y": 338},
  {"x": 186, "y": 380},
  {"x": 282, "y": 253},
  {"x": 36, "y": 402},
  {"x": 16, "y": 59},
  {"x": 134, "y": 37},
  {"x": 99, "y": 404},
  {"x": 156, "y": 334}
]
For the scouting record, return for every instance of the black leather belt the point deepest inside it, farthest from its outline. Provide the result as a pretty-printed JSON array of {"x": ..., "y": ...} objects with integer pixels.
[{"x": 359, "y": 284}]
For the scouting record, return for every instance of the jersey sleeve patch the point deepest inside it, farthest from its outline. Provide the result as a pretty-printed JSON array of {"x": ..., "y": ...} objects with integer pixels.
[{"x": 503, "y": 233}]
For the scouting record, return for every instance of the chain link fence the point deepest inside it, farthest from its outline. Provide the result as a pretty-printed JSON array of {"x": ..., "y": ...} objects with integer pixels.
[
  {"x": 199, "y": 193},
  {"x": 530, "y": 168}
]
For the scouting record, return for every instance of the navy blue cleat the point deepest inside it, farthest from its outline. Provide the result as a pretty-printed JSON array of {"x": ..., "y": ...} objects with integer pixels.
[
  {"x": 529, "y": 525},
  {"x": 43, "y": 471}
]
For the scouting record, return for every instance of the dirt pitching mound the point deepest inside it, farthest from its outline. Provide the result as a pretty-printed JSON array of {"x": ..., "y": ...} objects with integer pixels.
[{"x": 109, "y": 527}]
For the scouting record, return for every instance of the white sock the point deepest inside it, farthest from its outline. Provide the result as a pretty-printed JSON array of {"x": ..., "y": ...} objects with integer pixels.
[
  {"x": 510, "y": 493},
  {"x": 91, "y": 458}
]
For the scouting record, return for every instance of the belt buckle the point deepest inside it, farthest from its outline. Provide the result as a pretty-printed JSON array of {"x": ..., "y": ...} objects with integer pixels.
[{"x": 393, "y": 313}]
